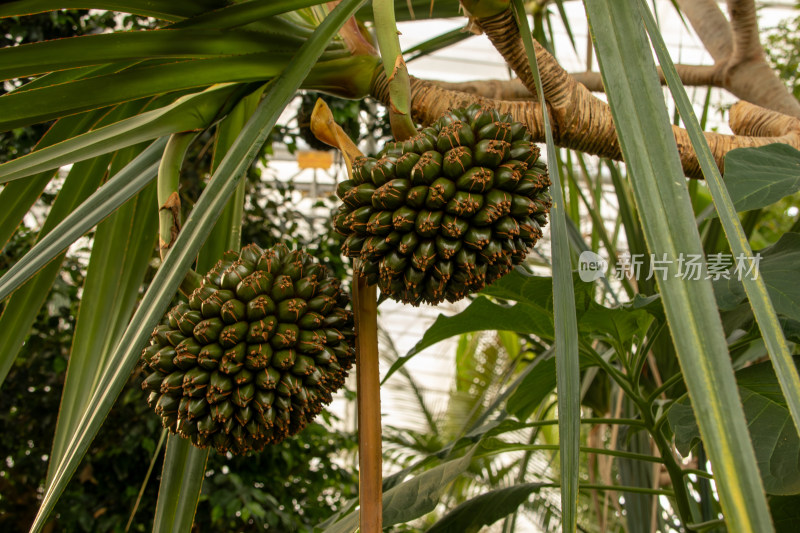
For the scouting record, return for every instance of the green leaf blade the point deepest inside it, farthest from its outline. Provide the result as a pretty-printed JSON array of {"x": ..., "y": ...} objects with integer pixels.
[
  {"x": 758, "y": 177},
  {"x": 121, "y": 253},
  {"x": 62, "y": 54},
  {"x": 181, "y": 482},
  {"x": 198, "y": 225},
  {"x": 649, "y": 150}
]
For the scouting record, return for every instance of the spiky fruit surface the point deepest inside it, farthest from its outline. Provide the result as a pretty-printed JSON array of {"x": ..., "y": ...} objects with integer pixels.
[
  {"x": 441, "y": 215},
  {"x": 255, "y": 353}
]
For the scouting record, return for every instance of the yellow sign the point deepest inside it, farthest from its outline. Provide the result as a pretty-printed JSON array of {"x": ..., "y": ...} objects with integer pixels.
[{"x": 314, "y": 159}]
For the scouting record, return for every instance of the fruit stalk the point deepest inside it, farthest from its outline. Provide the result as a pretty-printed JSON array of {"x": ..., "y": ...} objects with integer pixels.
[
  {"x": 169, "y": 202},
  {"x": 395, "y": 70},
  {"x": 365, "y": 307},
  {"x": 369, "y": 406}
]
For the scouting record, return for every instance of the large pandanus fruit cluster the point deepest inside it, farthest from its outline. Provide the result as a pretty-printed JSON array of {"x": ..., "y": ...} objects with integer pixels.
[
  {"x": 441, "y": 215},
  {"x": 254, "y": 354}
]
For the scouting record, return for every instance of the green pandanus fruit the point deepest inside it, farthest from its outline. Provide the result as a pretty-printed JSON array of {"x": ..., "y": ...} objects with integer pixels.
[
  {"x": 255, "y": 353},
  {"x": 443, "y": 214}
]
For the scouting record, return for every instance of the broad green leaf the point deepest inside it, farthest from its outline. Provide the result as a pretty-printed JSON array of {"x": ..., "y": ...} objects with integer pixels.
[
  {"x": 619, "y": 325},
  {"x": 536, "y": 386},
  {"x": 482, "y": 315},
  {"x": 121, "y": 252},
  {"x": 758, "y": 177},
  {"x": 648, "y": 148},
  {"x": 62, "y": 54},
  {"x": 162, "y": 9},
  {"x": 484, "y": 510},
  {"x": 181, "y": 481},
  {"x": 785, "y": 512},
  {"x": 180, "y": 257},
  {"x": 412, "y": 498},
  {"x": 779, "y": 266},
  {"x": 521, "y": 286},
  {"x": 533, "y": 314},
  {"x": 116, "y": 191},
  {"x": 188, "y": 113},
  {"x": 775, "y": 440},
  {"x": 20, "y": 108}
]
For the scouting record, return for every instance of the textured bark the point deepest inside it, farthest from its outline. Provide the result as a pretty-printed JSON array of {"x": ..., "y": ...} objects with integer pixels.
[
  {"x": 496, "y": 89},
  {"x": 691, "y": 75},
  {"x": 740, "y": 65},
  {"x": 753, "y": 125},
  {"x": 711, "y": 26}
]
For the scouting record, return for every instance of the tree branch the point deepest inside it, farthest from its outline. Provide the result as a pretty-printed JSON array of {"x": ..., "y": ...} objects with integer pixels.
[
  {"x": 495, "y": 89},
  {"x": 710, "y": 25},
  {"x": 691, "y": 75},
  {"x": 739, "y": 58},
  {"x": 754, "y": 126},
  {"x": 744, "y": 24},
  {"x": 740, "y": 64}
]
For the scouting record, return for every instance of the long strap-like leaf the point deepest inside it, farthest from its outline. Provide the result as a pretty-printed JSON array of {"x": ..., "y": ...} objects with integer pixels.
[
  {"x": 189, "y": 113},
  {"x": 566, "y": 322},
  {"x": 181, "y": 481},
  {"x": 17, "y": 198},
  {"x": 115, "y": 192},
  {"x": 182, "y": 476},
  {"x": 20, "y": 108},
  {"x": 161, "y": 9},
  {"x": 754, "y": 286},
  {"x": 197, "y": 227},
  {"x": 61, "y": 54},
  {"x": 649, "y": 150},
  {"x": 121, "y": 252}
]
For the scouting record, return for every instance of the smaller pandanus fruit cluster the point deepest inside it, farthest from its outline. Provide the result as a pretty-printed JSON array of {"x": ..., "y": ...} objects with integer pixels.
[
  {"x": 445, "y": 213},
  {"x": 254, "y": 354}
]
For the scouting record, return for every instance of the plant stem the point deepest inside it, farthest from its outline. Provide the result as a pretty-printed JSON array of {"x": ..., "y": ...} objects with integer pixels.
[
  {"x": 369, "y": 406},
  {"x": 395, "y": 69},
  {"x": 674, "y": 380},
  {"x": 680, "y": 492},
  {"x": 697, "y": 472},
  {"x": 169, "y": 175},
  {"x": 621, "y": 488},
  {"x": 641, "y": 356},
  {"x": 584, "y": 449}
]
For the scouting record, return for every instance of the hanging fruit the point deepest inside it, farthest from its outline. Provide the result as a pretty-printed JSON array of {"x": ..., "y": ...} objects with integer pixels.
[
  {"x": 254, "y": 354},
  {"x": 441, "y": 215}
]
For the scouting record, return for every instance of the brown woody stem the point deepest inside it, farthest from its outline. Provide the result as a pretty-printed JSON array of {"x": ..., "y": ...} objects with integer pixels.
[
  {"x": 369, "y": 406},
  {"x": 368, "y": 383},
  {"x": 590, "y": 128}
]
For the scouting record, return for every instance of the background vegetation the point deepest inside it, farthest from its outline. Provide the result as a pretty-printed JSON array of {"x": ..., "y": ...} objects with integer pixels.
[{"x": 629, "y": 446}]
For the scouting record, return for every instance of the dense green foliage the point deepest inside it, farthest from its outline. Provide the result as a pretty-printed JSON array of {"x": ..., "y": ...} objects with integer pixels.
[{"x": 620, "y": 421}]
